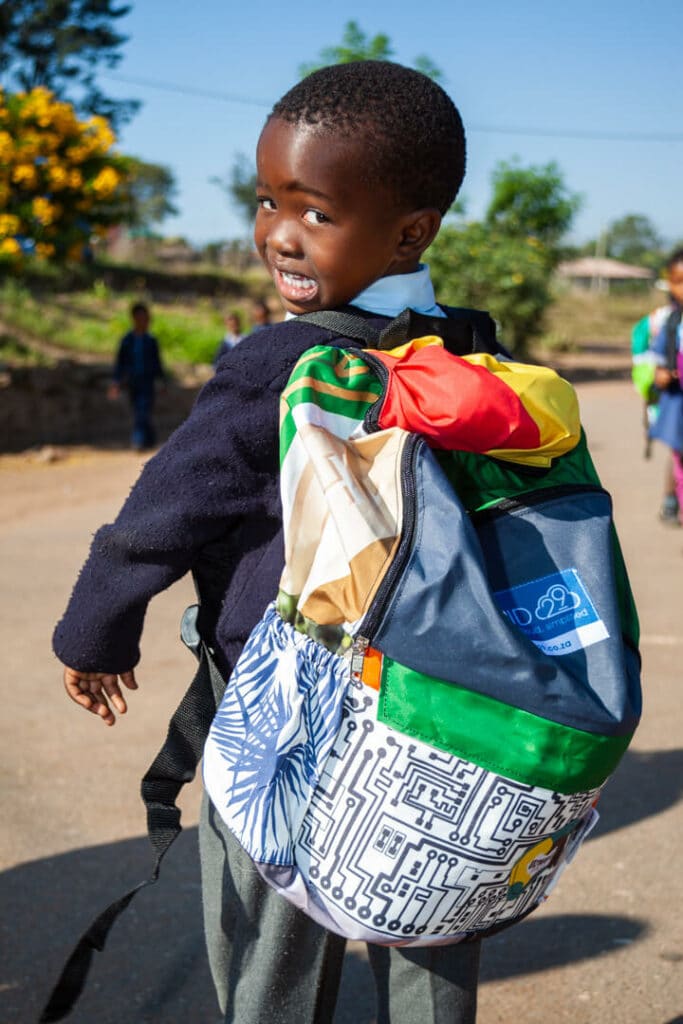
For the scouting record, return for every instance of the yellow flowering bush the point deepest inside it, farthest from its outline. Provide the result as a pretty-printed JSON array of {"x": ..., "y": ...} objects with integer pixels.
[{"x": 60, "y": 179}]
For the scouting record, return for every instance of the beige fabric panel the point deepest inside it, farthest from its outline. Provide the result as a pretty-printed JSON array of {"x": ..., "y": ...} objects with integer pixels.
[{"x": 344, "y": 522}]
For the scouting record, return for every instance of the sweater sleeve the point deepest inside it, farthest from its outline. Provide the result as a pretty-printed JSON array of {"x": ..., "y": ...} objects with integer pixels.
[{"x": 211, "y": 473}]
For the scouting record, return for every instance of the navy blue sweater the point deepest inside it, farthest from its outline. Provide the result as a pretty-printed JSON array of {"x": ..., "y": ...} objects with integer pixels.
[{"x": 208, "y": 502}]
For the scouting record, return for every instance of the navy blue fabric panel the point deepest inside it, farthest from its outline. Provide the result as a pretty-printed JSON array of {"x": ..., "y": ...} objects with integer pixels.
[{"x": 470, "y": 601}]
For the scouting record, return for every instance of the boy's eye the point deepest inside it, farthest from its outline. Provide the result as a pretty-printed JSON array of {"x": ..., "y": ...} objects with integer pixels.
[
  {"x": 265, "y": 203},
  {"x": 315, "y": 217}
]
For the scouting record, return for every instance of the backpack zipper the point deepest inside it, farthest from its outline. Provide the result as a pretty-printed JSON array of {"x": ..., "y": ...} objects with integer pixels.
[
  {"x": 408, "y": 491},
  {"x": 528, "y": 499},
  {"x": 371, "y": 421}
]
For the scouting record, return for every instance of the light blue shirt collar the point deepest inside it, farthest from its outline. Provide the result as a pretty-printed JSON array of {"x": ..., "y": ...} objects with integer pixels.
[{"x": 390, "y": 295}]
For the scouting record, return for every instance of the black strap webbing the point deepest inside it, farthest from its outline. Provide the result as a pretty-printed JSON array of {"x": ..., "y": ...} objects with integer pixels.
[
  {"x": 174, "y": 765},
  {"x": 463, "y": 331},
  {"x": 347, "y": 323}
]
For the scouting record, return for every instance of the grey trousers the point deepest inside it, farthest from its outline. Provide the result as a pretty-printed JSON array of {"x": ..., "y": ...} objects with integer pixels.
[{"x": 272, "y": 965}]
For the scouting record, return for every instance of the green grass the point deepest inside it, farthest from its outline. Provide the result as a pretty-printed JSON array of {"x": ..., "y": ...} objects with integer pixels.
[
  {"x": 577, "y": 318},
  {"x": 93, "y": 321},
  {"x": 16, "y": 353}
]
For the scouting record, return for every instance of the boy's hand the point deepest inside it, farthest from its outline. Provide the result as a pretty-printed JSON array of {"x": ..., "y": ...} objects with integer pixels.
[
  {"x": 95, "y": 691},
  {"x": 113, "y": 392}
]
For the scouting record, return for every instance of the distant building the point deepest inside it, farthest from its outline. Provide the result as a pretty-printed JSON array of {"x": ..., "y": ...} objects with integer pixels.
[{"x": 597, "y": 273}]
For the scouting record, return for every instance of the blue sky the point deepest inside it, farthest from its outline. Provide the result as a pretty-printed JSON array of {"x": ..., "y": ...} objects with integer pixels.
[{"x": 528, "y": 78}]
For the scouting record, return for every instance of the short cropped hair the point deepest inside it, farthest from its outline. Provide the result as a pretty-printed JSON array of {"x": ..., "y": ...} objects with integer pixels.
[
  {"x": 139, "y": 307},
  {"x": 411, "y": 132},
  {"x": 675, "y": 257}
]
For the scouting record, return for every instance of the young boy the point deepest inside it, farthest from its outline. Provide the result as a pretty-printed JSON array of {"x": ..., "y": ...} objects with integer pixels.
[
  {"x": 357, "y": 164},
  {"x": 137, "y": 368}
]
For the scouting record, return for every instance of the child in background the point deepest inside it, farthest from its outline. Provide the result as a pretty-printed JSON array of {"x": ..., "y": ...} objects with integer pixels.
[
  {"x": 668, "y": 424},
  {"x": 233, "y": 335},
  {"x": 643, "y": 371},
  {"x": 137, "y": 368},
  {"x": 357, "y": 165},
  {"x": 260, "y": 315}
]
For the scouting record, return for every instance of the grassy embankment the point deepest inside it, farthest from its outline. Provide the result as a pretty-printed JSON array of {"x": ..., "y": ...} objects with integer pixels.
[
  {"x": 580, "y": 318},
  {"x": 38, "y": 325}
]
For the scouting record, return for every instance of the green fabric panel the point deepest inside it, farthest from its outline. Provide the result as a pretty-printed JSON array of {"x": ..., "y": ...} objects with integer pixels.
[
  {"x": 643, "y": 376},
  {"x": 495, "y": 736},
  {"x": 481, "y": 481},
  {"x": 323, "y": 369},
  {"x": 640, "y": 336},
  {"x": 628, "y": 613}
]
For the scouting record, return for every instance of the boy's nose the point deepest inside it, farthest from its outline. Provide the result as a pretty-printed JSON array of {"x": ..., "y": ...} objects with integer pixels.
[{"x": 283, "y": 238}]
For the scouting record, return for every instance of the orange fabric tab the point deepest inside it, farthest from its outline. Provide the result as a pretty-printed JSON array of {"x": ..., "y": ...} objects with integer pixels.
[{"x": 372, "y": 668}]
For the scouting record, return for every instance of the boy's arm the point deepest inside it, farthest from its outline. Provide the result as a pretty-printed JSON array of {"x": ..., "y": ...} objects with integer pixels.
[
  {"x": 200, "y": 483},
  {"x": 209, "y": 477}
]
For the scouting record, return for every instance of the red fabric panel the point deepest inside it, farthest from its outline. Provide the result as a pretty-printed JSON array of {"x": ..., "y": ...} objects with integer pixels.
[{"x": 454, "y": 404}]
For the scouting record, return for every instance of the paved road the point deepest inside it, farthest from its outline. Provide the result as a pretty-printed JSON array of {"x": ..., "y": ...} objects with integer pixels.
[{"x": 607, "y": 948}]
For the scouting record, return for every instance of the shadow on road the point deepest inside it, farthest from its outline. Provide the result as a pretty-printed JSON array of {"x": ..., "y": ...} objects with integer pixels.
[
  {"x": 645, "y": 783},
  {"x": 154, "y": 969},
  {"x": 539, "y": 944}
]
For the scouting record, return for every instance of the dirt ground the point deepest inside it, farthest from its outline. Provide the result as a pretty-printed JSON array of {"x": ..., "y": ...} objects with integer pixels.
[{"x": 608, "y": 945}]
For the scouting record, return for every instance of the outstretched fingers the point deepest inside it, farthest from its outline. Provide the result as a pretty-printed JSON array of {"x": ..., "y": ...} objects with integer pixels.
[{"x": 99, "y": 692}]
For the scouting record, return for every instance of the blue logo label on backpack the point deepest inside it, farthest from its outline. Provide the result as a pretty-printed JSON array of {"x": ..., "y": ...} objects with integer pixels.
[{"x": 555, "y": 612}]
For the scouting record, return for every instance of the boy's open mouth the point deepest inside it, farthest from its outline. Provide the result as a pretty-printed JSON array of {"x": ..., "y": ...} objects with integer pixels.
[{"x": 295, "y": 287}]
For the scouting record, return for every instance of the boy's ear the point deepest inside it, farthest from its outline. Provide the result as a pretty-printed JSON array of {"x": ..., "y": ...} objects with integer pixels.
[{"x": 418, "y": 231}]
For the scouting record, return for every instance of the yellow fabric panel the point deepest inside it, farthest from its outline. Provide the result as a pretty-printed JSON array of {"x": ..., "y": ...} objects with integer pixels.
[{"x": 549, "y": 399}]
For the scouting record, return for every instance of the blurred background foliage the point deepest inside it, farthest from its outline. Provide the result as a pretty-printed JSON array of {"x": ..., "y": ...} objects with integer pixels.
[{"x": 80, "y": 222}]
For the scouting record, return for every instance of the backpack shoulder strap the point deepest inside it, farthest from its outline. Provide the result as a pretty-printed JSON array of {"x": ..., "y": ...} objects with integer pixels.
[
  {"x": 347, "y": 322},
  {"x": 463, "y": 330}
]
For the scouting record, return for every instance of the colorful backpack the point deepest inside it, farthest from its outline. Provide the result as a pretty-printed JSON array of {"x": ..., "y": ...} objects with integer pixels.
[{"x": 413, "y": 741}]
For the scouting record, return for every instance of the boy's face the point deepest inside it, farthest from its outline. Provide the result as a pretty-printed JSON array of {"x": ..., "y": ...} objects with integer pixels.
[
  {"x": 675, "y": 280},
  {"x": 140, "y": 321},
  {"x": 322, "y": 232}
]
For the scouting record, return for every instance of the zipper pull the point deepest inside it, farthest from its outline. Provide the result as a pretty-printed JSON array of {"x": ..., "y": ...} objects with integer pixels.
[{"x": 360, "y": 646}]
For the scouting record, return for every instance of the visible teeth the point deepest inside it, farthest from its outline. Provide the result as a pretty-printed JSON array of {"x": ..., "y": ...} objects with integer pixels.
[{"x": 297, "y": 281}]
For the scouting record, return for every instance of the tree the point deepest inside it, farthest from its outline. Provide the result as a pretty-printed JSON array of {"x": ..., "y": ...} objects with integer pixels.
[
  {"x": 60, "y": 179},
  {"x": 505, "y": 262},
  {"x": 484, "y": 268},
  {"x": 150, "y": 189},
  {"x": 355, "y": 45},
  {"x": 240, "y": 187},
  {"x": 58, "y": 44},
  {"x": 532, "y": 202},
  {"x": 634, "y": 239}
]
